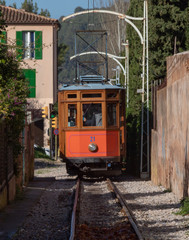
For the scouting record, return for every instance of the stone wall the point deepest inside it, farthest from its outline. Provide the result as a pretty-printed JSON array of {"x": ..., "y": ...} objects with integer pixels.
[
  {"x": 11, "y": 170},
  {"x": 169, "y": 149}
]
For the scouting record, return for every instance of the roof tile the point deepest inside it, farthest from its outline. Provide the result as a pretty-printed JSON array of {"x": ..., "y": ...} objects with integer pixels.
[{"x": 18, "y": 16}]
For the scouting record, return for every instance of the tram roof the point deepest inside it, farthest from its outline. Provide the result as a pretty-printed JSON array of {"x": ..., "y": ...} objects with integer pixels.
[{"x": 90, "y": 86}]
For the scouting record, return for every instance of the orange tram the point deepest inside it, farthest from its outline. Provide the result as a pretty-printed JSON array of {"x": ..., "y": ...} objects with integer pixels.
[{"x": 92, "y": 127}]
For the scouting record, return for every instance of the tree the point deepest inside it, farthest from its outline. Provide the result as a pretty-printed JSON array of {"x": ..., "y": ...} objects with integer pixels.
[
  {"x": 168, "y": 34},
  {"x": 29, "y": 6},
  {"x": 135, "y": 82},
  {"x": 2, "y": 2},
  {"x": 62, "y": 49},
  {"x": 78, "y": 9},
  {"x": 168, "y": 30},
  {"x": 13, "y": 92},
  {"x": 45, "y": 13},
  {"x": 14, "y": 5}
]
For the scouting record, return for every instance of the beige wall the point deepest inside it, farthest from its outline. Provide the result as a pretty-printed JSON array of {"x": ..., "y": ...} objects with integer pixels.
[
  {"x": 45, "y": 81},
  {"x": 169, "y": 152},
  {"x": 46, "y": 68}
]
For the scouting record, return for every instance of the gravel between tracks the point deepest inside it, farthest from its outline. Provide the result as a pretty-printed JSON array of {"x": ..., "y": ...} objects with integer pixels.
[{"x": 152, "y": 206}]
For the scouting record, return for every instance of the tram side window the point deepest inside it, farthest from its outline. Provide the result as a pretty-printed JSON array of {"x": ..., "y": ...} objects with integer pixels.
[
  {"x": 111, "y": 114},
  {"x": 92, "y": 114},
  {"x": 72, "y": 115}
]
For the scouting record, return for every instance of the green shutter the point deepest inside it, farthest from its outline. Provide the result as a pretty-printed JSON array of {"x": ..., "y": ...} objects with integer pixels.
[
  {"x": 38, "y": 45},
  {"x": 32, "y": 93},
  {"x": 3, "y": 38},
  {"x": 19, "y": 44},
  {"x": 30, "y": 75}
]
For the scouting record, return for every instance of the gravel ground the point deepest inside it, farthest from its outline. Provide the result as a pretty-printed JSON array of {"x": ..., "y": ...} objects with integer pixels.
[
  {"x": 50, "y": 218},
  {"x": 153, "y": 207}
]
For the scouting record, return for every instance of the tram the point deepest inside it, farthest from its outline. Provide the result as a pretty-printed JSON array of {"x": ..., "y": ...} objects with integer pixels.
[{"x": 92, "y": 126}]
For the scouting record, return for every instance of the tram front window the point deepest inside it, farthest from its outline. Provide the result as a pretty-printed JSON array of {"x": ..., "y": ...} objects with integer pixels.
[
  {"x": 92, "y": 114},
  {"x": 111, "y": 113},
  {"x": 72, "y": 115}
]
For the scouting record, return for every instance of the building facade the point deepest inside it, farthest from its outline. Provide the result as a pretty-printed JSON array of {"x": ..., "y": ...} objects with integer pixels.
[{"x": 34, "y": 38}]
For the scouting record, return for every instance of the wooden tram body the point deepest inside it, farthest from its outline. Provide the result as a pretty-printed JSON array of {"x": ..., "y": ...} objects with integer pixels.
[{"x": 92, "y": 127}]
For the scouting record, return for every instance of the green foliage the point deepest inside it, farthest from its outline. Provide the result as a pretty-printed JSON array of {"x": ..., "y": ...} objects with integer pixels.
[
  {"x": 29, "y": 6},
  {"x": 2, "y": 2},
  {"x": 62, "y": 50},
  {"x": 184, "y": 209},
  {"x": 133, "y": 112},
  {"x": 55, "y": 108},
  {"x": 168, "y": 34},
  {"x": 14, "y": 5},
  {"x": 78, "y": 9},
  {"x": 45, "y": 13},
  {"x": 13, "y": 94},
  {"x": 40, "y": 153},
  {"x": 168, "y": 26},
  {"x": 13, "y": 86}
]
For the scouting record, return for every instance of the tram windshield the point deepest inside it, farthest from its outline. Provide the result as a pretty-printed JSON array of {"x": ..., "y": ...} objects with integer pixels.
[
  {"x": 92, "y": 114},
  {"x": 72, "y": 115}
]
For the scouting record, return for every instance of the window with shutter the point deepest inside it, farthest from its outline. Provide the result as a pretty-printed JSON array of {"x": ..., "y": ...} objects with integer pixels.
[
  {"x": 29, "y": 44},
  {"x": 30, "y": 75}
]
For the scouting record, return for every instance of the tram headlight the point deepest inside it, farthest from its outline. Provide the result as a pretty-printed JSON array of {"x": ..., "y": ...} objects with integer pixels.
[{"x": 92, "y": 147}]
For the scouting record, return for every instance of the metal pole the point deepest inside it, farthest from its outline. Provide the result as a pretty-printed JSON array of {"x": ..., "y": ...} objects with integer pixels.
[
  {"x": 56, "y": 148},
  {"x": 147, "y": 87},
  {"x": 106, "y": 59},
  {"x": 124, "y": 44},
  {"x": 50, "y": 129},
  {"x": 145, "y": 150},
  {"x": 143, "y": 90},
  {"x": 127, "y": 70}
]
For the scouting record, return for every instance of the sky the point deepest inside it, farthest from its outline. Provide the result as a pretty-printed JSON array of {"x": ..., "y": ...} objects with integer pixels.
[{"x": 57, "y": 8}]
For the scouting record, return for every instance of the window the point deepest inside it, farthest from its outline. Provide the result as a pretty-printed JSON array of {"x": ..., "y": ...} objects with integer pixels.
[
  {"x": 30, "y": 75},
  {"x": 92, "y": 114},
  {"x": 91, "y": 95},
  {"x": 112, "y": 95},
  {"x": 72, "y": 95},
  {"x": 111, "y": 114},
  {"x": 29, "y": 44},
  {"x": 72, "y": 115}
]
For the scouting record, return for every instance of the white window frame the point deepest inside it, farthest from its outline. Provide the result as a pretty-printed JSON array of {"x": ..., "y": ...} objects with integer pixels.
[{"x": 29, "y": 47}]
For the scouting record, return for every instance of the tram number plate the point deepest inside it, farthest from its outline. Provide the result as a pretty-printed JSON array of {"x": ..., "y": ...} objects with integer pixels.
[{"x": 92, "y": 139}]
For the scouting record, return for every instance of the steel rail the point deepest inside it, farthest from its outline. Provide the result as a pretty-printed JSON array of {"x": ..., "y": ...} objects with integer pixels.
[
  {"x": 125, "y": 208},
  {"x": 72, "y": 231}
]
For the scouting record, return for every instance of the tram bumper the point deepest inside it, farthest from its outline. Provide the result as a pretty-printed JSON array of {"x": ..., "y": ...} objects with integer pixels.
[{"x": 94, "y": 165}]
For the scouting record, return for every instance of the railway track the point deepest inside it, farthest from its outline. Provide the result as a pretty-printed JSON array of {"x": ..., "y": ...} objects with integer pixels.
[{"x": 100, "y": 212}]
